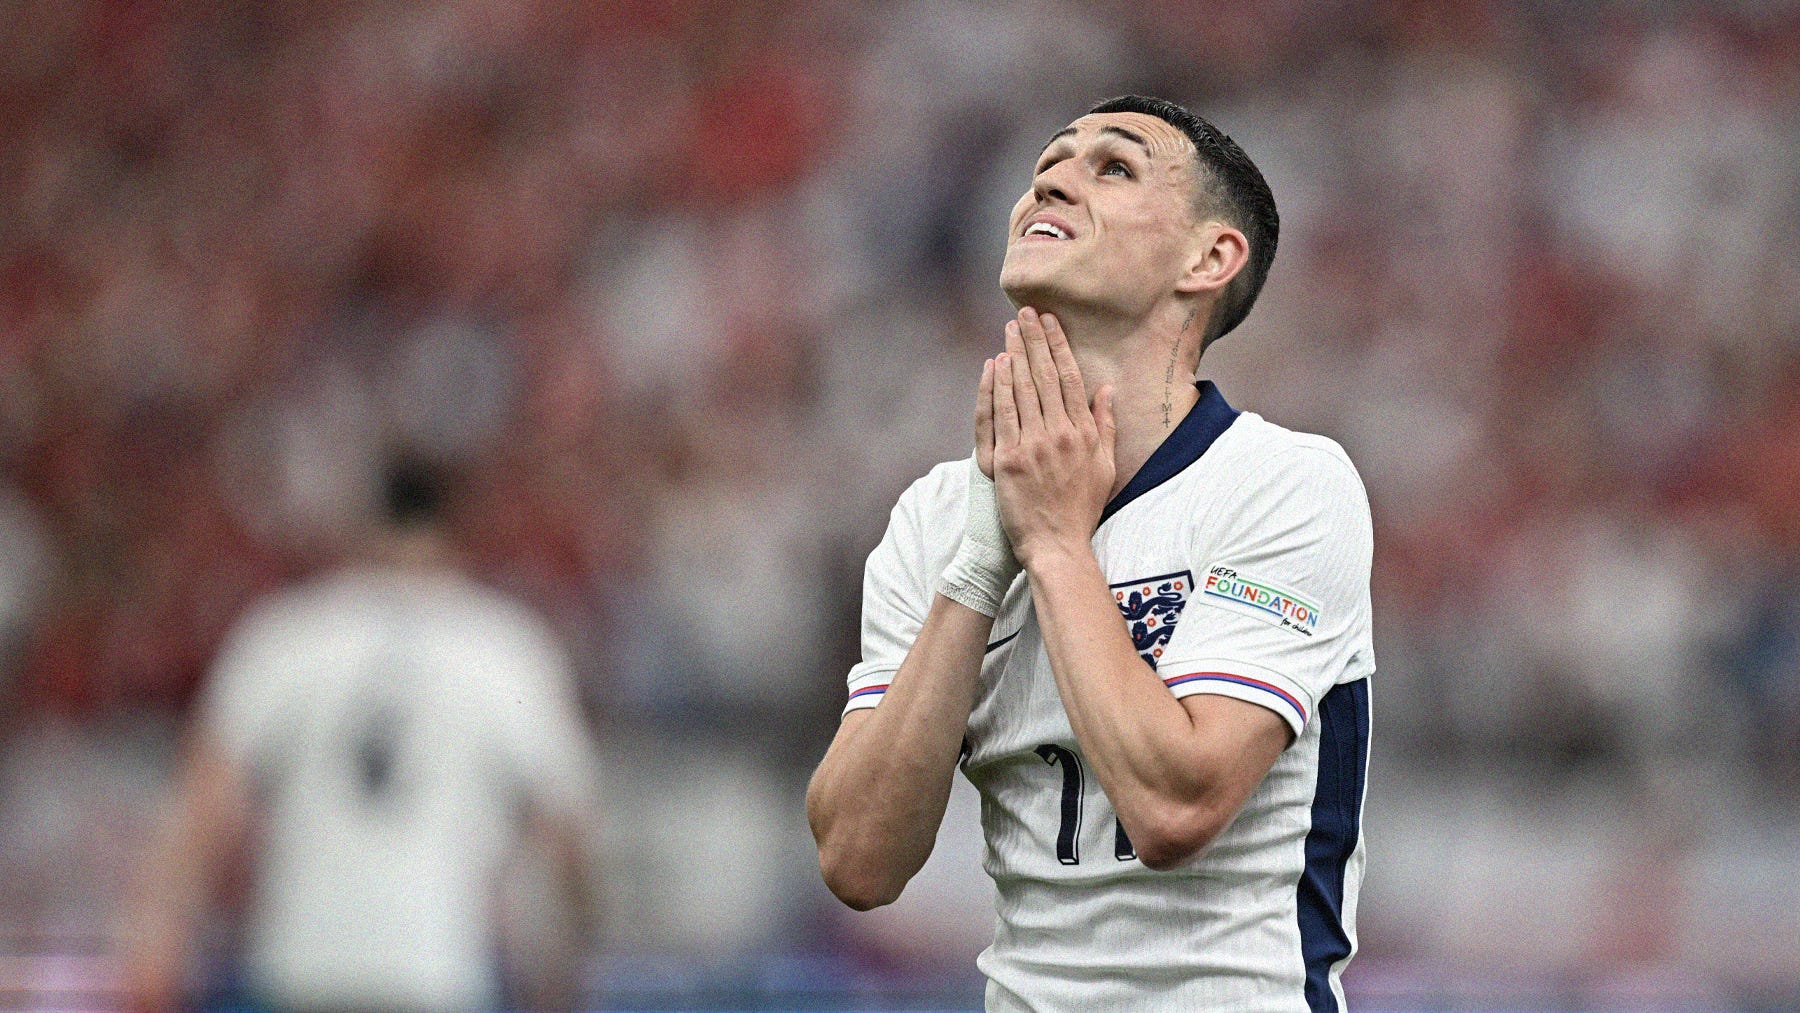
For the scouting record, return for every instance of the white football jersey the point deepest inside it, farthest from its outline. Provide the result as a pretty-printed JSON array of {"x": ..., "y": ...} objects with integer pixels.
[
  {"x": 396, "y": 724},
  {"x": 1239, "y": 558}
]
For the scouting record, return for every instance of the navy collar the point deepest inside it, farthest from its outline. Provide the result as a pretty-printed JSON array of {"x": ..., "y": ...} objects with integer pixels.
[{"x": 1203, "y": 424}]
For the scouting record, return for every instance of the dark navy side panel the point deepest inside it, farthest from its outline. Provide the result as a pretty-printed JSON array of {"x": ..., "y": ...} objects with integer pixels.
[{"x": 1336, "y": 826}]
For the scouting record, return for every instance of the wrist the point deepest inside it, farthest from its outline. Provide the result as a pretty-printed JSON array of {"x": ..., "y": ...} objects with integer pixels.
[
  {"x": 1051, "y": 557},
  {"x": 984, "y": 567}
]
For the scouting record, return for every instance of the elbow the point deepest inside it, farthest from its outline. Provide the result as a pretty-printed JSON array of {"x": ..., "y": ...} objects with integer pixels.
[
  {"x": 855, "y": 875},
  {"x": 851, "y": 881},
  {"x": 1174, "y": 835},
  {"x": 863, "y": 864}
]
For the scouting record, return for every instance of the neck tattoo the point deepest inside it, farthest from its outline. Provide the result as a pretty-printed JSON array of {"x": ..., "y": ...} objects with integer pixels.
[{"x": 1168, "y": 402}]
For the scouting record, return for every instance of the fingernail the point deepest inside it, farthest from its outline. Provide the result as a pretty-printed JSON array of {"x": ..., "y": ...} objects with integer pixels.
[{"x": 1049, "y": 320}]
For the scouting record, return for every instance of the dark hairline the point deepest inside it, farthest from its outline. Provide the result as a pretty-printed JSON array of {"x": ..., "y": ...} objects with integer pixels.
[{"x": 1229, "y": 178}]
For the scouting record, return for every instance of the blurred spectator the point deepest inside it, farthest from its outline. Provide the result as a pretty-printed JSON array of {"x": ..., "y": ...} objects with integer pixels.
[{"x": 375, "y": 744}]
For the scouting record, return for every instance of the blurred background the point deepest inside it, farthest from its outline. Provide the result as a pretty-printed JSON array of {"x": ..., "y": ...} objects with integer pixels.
[{"x": 691, "y": 291}]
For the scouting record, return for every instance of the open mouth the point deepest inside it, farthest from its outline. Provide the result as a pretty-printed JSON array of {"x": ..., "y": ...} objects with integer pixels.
[{"x": 1046, "y": 227}]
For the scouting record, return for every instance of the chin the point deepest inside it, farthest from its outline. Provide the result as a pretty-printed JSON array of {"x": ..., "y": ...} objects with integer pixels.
[{"x": 1028, "y": 288}]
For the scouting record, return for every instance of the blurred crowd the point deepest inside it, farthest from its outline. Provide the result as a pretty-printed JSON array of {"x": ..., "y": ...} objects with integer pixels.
[{"x": 687, "y": 292}]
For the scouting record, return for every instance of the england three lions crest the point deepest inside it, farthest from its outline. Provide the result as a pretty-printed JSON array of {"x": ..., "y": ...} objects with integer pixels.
[{"x": 1151, "y": 608}]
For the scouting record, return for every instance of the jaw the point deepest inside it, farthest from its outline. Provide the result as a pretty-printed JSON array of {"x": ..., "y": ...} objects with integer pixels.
[
  {"x": 1035, "y": 273},
  {"x": 1077, "y": 292}
]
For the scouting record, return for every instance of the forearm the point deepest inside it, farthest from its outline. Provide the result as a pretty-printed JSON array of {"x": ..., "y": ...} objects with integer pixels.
[
  {"x": 205, "y": 827},
  {"x": 160, "y": 921},
  {"x": 878, "y": 797},
  {"x": 1138, "y": 739}
]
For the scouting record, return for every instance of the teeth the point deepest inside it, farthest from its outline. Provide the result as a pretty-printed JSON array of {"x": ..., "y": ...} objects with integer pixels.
[{"x": 1046, "y": 229}]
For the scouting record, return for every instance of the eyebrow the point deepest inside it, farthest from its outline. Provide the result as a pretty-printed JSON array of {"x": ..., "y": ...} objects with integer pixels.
[{"x": 1131, "y": 136}]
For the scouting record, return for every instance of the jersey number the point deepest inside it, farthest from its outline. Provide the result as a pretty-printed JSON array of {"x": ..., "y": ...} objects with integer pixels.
[{"x": 1068, "y": 830}]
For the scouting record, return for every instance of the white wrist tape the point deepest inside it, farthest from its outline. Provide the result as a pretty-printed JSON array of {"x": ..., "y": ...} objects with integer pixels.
[{"x": 984, "y": 566}]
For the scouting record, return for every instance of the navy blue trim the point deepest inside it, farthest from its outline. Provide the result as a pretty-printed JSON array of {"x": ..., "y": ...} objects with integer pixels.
[
  {"x": 1203, "y": 424},
  {"x": 1189, "y": 574},
  {"x": 1003, "y": 641},
  {"x": 1336, "y": 826}
]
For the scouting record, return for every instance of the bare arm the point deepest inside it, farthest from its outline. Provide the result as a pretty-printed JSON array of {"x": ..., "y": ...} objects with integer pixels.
[
  {"x": 551, "y": 941},
  {"x": 208, "y": 823},
  {"x": 877, "y": 799},
  {"x": 1176, "y": 771}
]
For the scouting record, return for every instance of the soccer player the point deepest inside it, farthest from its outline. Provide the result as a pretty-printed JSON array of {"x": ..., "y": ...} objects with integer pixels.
[
  {"x": 378, "y": 743},
  {"x": 1138, "y": 619}
]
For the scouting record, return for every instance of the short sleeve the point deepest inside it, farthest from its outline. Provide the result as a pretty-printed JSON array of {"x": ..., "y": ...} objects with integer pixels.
[
  {"x": 1280, "y": 608},
  {"x": 897, "y": 590},
  {"x": 242, "y": 706},
  {"x": 544, "y": 736}
]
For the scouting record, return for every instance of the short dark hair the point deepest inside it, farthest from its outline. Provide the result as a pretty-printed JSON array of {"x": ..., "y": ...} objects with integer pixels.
[
  {"x": 1230, "y": 186},
  {"x": 414, "y": 490}
]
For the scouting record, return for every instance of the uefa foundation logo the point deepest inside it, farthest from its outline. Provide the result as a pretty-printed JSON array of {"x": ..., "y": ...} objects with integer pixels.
[
  {"x": 1151, "y": 608},
  {"x": 1261, "y": 599}
]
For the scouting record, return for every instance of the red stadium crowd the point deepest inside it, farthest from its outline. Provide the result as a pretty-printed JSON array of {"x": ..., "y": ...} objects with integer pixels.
[{"x": 687, "y": 292}]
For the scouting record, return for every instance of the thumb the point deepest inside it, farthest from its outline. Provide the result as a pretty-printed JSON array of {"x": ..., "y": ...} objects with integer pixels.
[{"x": 1103, "y": 415}]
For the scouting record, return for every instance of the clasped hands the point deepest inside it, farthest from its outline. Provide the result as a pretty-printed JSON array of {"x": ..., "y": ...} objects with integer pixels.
[
  {"x": 1048, "y": 448},
  {"x": 1042, "y": 469}
]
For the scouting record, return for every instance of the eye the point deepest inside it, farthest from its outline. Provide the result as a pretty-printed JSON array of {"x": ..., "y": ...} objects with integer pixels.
[{"x": 1116, "y": 168}]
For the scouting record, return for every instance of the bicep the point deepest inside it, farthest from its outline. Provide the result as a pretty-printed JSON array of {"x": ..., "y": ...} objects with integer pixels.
[
  {"x": 848, "y": 729},
  {"x": 1242, "y": 741},
  {"x": 212, "y": 814},
  {"x": 214, "y": 781}
]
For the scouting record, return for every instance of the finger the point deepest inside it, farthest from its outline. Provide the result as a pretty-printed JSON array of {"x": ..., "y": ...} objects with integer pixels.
[
  {"x": 1025, "y": 395},
  {"x": 1068, "y": 371},
  {"x": 1043, "y": 366},
  {"x": 1104, "y": 421},
  {"x": 1006, "y": 412},
  {"x": 984, "y": 420}
]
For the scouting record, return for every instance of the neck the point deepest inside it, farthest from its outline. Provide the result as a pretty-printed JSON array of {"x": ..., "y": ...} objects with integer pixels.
[
  {"x": 417, "y": 549},
  {"x": 1149, "y": 362}
]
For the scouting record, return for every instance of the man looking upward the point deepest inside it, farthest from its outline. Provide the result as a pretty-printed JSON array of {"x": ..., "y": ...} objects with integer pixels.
[{"x": 1140, "y": 620}]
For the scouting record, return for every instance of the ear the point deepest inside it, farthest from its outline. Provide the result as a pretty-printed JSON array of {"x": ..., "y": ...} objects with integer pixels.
[{"x": 1218, "y": 252}]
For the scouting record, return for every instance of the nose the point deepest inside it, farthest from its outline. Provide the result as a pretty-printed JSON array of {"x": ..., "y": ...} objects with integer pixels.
[{"x": 1053, "y": 184}]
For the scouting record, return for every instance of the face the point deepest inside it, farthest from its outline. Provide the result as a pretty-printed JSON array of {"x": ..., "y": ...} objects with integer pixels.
[{"x": 1108, "y": 220}]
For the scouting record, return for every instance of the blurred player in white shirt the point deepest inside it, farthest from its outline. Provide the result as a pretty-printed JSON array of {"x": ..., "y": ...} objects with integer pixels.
[
  {"x": 381, "y": 740},
  {"x": 1139, "y": 620}
]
